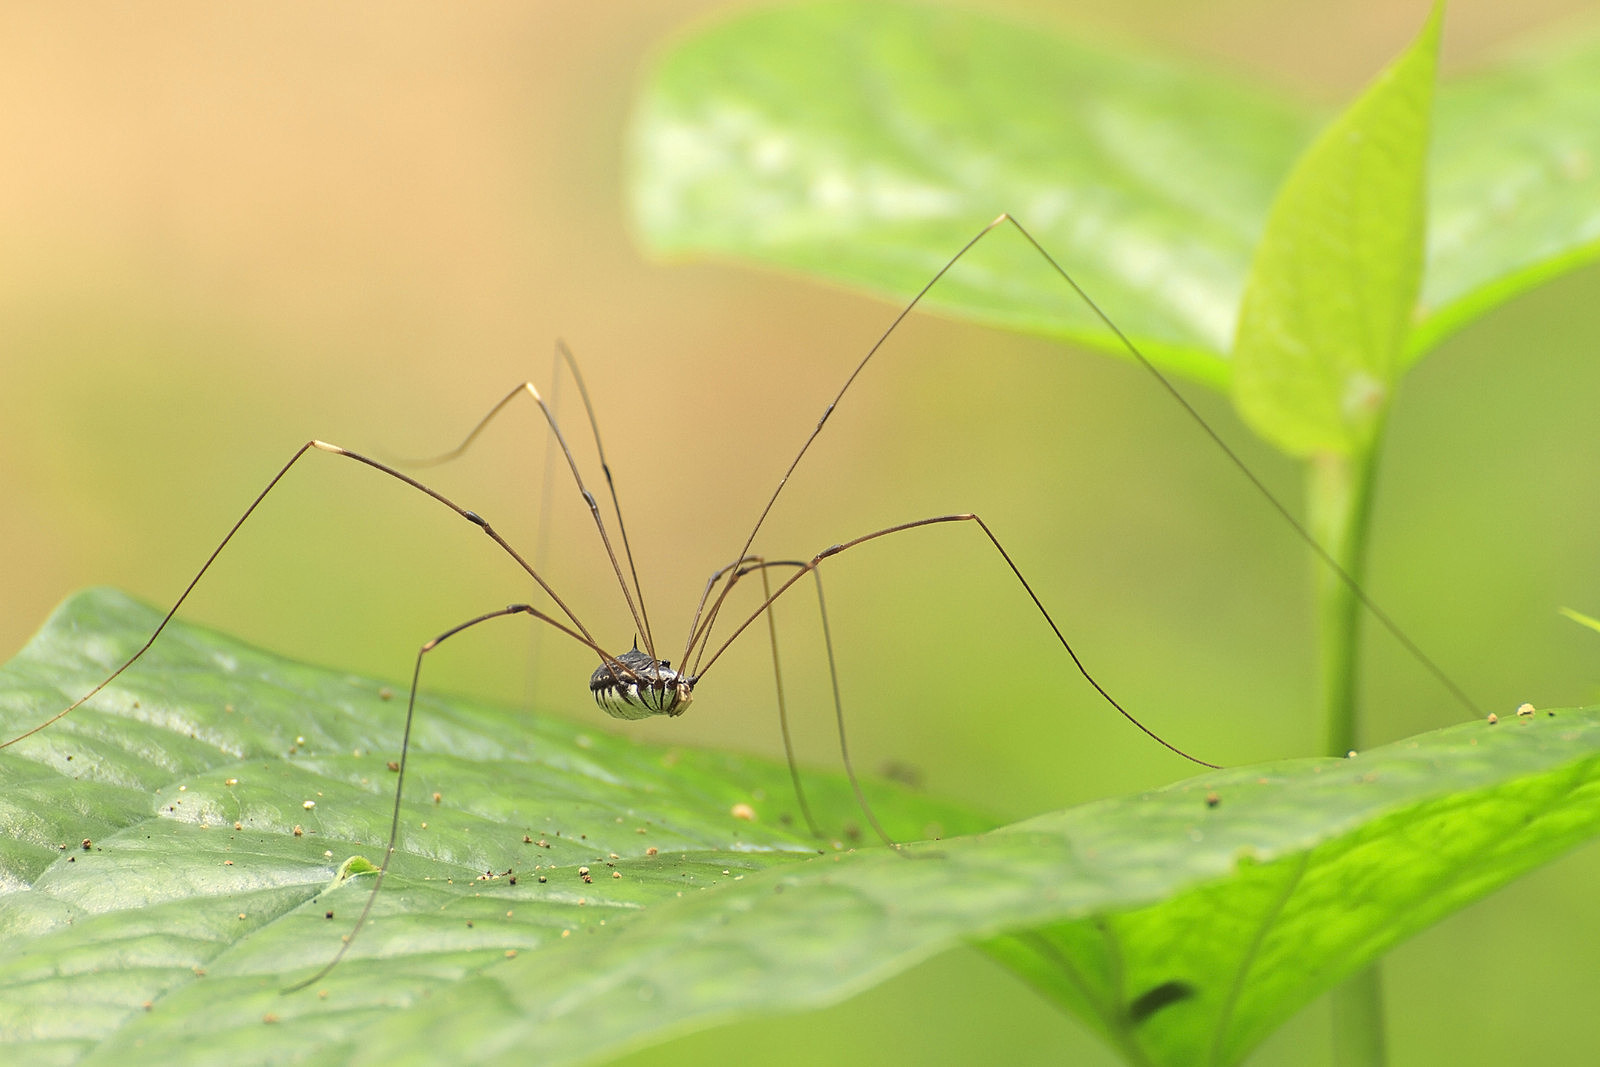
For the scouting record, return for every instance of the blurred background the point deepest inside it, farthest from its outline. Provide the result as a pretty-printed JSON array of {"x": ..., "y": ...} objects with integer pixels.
[{"x": 231, "y": 229}]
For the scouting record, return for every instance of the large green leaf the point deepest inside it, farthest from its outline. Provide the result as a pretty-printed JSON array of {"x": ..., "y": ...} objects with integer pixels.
[
  {"x": 205, "y": 881},
  {"x": 1183, "y": 924},
  {"x": 867, "y": 142},
  {"x": 1327, "y": 311}
]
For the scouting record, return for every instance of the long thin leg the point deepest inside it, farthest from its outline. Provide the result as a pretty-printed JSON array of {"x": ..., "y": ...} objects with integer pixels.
[
  {"x": 542, "y": 550},
  {"x": 783, "y": 707},
  {"x": 581, "y": 632},
  {"x": 632, "y": 594},
  {"x": 702, "y": 634},
  {"x": 838, "y": 714},
  {"x": 400, "y": 778},
  {"x": 1243, "y": 468},
  {"x": 564, "y": 356},
  {"x": 703, "y": 665},
  {"x": 1167, "y": 385},
  {"x": 755, "y": 563}
]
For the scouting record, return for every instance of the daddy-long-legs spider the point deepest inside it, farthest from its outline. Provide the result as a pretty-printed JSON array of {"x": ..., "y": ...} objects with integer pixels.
[{"x": 641, "y": 682}]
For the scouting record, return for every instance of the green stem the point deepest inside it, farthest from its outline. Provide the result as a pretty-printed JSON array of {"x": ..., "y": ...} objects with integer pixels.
[
  {"x": 1340, "y": 509},
  {"x": 1341, "y": 499}
]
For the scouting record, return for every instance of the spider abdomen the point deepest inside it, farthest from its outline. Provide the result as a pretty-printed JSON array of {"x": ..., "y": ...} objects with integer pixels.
[{"x": 635, "y": 685}]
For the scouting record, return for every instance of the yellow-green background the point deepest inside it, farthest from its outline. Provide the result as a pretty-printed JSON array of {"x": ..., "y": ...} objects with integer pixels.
[{"x": 225, "y": 230}]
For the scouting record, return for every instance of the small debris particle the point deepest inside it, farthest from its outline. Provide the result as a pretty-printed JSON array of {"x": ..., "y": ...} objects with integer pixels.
[
  {"x": 299, "y": 831},
  {"x": 511, "y": 953},
  {"x": 437, "y": 797},
  {"x": 614, "y": 856},
  {"x": 588, "y": 879},
  {"x": 328, "y": 914},
  {"x": 545, "y": 844},
  {"x": 1493, "y": 718},
  {"x": 327, "y": 853},
  {"x": 1212, "y": 800},
  {"x": 526, "y": 840},
  {"x": 238, "y": 825},
  {"x": 87, "y": 844},
  {"x": 230, "y": 781},
  {"x": 386, "y": 693},
  {"x": 394, "y": 765},
  {"x": 269, "y": 1017},
  {"x": 512, "y": 879},
  {"x": 542, "y": 878},
  {"x": 651, "y": 851},
  {"x": 583, "y": 870},
  {"x": 743, "y": 811},
  {"x": 1525, "y": 710}
]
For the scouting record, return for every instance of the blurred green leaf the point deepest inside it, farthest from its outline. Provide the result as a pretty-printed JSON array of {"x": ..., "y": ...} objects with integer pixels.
[
  {"x": 867, "y": 142},
  {"x": 1183, "y": 924},
  {"x": 1514, "y": 195},
  {"x": 1328, "y": 305}
]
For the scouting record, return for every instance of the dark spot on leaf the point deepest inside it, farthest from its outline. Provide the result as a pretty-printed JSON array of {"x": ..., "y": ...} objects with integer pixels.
[{"x": 1153, "y": 1000}]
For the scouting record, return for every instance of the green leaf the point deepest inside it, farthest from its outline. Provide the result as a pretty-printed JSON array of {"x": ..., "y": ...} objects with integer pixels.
[
  {"x": 1183, "y": 924},
  {"x": 1183, "y": 931},
  {"x": 162, "y": 877},
  {"x": 866, "y": 142},
  {"x": 1328, "y": 306},
  {"x": 1515, "y": 197}
]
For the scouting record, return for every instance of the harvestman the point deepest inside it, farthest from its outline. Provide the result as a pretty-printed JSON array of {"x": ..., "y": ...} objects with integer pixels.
[{"x": 637, "y": 684}]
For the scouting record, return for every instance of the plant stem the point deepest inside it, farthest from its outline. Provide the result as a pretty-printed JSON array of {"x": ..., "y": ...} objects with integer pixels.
[
  {"x": 1340, "y": 509},
  {"x": 1358, "y": 1034},
  {"x": 1341, "y": 498}
]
